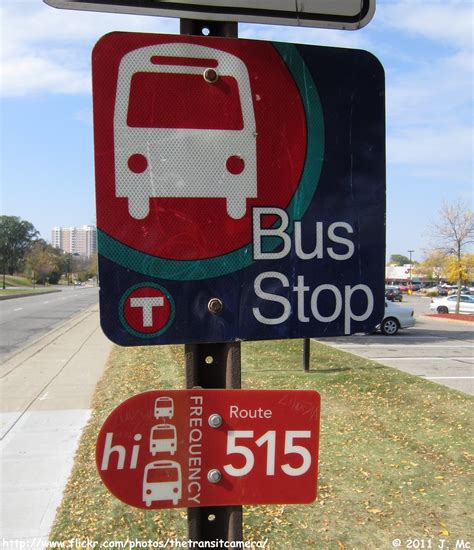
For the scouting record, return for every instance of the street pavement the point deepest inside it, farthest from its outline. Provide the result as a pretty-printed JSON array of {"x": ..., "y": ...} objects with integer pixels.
[
  {"x": 46, "y": 392},
  {"x": 436, "y": 349},
  {"x": 22, "y": 320}
]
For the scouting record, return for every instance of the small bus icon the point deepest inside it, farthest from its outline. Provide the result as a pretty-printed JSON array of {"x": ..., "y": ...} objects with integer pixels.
[
  {"x": 184, "y": 126},
  {"x": 162, "y": 481},
  {"x": 163, "y": 439},
  {"x": 164, "y": 407}
]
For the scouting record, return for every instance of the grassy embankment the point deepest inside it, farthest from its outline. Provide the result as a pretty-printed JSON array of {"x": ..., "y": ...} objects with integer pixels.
[
  {"x": 395, "y": 454},
  {"x": 23, "y": 286}
]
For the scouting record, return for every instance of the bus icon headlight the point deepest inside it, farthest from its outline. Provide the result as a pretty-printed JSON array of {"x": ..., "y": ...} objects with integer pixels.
[{"x": 137, "y": 163}]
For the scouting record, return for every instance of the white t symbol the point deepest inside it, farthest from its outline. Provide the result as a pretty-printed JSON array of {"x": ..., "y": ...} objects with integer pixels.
[{"x": 147, "y": 305}]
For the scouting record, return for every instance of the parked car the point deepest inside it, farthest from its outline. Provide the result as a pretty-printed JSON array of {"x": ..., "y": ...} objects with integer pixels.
[
  {"x": 395, "y": 318},
  {"x": 393, "y": 294},
  {"x": 405, "y": 287},
  {"x": 448, "y": 304}
]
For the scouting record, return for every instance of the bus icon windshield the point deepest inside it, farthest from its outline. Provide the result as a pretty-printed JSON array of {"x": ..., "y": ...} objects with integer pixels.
[
  {"x": 162, "y": 481},
  {"x": 164, "y": 407},
  {"x": 184, "y": 126},
  {"x": 163, "y": 439}
]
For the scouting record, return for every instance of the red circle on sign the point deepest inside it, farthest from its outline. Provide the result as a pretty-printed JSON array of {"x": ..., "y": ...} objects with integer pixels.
[
  {"x": 196, "y": 227},
  {"x": 147, "y": 310},
  {"x": 235, "y": 165},
  {"x": 137, "y": 163}
]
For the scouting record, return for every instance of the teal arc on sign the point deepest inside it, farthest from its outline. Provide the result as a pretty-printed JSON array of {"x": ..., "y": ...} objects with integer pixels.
[{"x": 187, "y": 270}]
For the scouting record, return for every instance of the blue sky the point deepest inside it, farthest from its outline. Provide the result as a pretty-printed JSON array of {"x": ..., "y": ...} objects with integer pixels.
[{"x": 425, "y": 46}]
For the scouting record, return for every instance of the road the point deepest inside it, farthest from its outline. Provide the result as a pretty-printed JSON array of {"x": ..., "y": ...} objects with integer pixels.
[
  {"x": 24, "y": 320},
  {"x": 438, "y": 350}
]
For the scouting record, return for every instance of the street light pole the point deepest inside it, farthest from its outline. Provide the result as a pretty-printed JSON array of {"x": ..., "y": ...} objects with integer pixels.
[{"x": 410, "y": 275}]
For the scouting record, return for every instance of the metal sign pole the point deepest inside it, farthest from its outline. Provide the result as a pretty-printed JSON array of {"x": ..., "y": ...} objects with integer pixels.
[
  {"x": 306, "y": 354},
  {"x": 213, "y": 365}
]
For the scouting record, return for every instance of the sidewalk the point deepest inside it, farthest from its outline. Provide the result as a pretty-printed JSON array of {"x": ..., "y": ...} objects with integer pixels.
[{"x": 45, "y": 393}]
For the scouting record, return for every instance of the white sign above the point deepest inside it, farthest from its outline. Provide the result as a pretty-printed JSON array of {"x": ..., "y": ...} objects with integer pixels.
[{"x": 329, "y": 14}]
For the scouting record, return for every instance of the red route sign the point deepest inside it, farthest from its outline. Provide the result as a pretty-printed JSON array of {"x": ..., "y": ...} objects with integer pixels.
[{"x": 190, "y": 448}]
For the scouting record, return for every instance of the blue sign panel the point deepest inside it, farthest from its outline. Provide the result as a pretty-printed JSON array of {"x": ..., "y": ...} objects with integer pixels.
[{"x": 240, "y": 189}]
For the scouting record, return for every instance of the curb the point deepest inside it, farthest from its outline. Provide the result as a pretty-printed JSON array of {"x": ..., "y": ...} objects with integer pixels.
[
  {"x": 31, "y": 348},
  {"x": 434, "y": 317},
  {"x": 28, "y": 294}
]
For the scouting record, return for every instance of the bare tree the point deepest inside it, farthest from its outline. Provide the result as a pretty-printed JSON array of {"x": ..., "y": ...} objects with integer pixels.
[{"x": 454, "y": 231}]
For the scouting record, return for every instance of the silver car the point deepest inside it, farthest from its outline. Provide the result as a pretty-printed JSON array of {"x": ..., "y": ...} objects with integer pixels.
[
  {"x": 395, "y": 318},
  {"x": 448, "y": 304}
]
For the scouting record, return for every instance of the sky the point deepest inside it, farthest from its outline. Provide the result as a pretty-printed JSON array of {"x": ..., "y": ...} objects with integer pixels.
[{"x": 46, "y": 133}]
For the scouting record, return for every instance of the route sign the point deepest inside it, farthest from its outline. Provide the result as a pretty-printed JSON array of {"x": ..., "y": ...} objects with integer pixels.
[
  {"x": 188, "y": 448},
  {"x": 240, "y": 173},
  {"x": 336, "y": 14}
]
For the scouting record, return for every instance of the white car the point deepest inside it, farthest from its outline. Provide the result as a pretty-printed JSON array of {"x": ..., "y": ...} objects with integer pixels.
[
  {"x": 395, "y": 318},
  {"x": 448, "y": 304}
]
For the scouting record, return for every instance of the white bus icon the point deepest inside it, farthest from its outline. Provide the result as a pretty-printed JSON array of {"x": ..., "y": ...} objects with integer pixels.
[
  {"x": 164, "y": 407},
  {"x": 167, "y": 145},
  {"x": 162, "y": 481},
  {"x": 163, "y": 439}
]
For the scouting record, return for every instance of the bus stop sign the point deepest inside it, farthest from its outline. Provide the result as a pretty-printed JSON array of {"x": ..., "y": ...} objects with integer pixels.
[
  {"x": 240, "y": 189},
  {"x": 189, "y": 448}
]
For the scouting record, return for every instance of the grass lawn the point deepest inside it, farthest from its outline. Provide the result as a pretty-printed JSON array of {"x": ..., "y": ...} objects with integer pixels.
[
  {"x": 23, "y": 282},
  {"x": 15, "y": 280},
  {"x": 395, "y": 454},
  {"x": 24, "y": 291}
]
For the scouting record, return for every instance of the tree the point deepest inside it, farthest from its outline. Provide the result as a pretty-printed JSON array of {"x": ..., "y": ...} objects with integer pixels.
[
  {"x": 458, "y": 269},
  {"x": 67, "y": 261},
  {"x": 43, "y": 261},
  {"x": 454, "y": 232},
  {"x": 433, "y": 266},
  {"x": 16, "y": 236},
  {"x": 399, "y": 259}
]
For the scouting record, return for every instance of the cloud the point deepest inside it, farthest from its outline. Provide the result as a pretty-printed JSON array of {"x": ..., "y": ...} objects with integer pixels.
[
  {"x": 48, "y": 50},
  {"x": 36, "y": 73},
  {"x": 429, "y": 93},
  {"x": 301, "y": 35},
  {"x": 448, "y": 21},
  {"x": 423, "y": 146}
]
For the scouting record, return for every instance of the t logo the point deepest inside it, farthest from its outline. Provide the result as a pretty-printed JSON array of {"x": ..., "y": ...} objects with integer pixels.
[{"x": 146, "y": 310}]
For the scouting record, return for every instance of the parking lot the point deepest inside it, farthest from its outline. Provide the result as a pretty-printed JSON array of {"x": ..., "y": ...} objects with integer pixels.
[{"x": 437, "y": 349}]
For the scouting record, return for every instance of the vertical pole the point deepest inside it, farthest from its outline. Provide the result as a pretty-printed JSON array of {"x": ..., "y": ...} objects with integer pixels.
[
  {"x": 306, "y": 354},
  {"x": 213, "y": 365}
]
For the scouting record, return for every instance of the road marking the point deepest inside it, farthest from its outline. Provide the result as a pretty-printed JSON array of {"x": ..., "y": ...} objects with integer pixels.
[
  {"x": 46, "y": 302},
  {"x": 434, "y": 346},
  {"x": 18, "y": 309},
  {"x": 412, "y": 358},
  {"x": 449, "y": 377}
]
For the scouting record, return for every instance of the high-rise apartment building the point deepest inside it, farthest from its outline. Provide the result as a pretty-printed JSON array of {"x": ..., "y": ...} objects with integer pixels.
[{"x": 75, "y": 240}]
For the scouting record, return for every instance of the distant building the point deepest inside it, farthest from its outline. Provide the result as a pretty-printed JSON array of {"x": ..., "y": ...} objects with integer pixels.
[
  {"x": 395, "y": 274},
  {"x": 75, "y": 240}
]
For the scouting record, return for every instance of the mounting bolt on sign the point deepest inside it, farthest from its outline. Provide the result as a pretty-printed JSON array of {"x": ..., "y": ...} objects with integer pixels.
[
  {"x": 228, "y": 172},
  {"x": 215, "y": 306}
]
